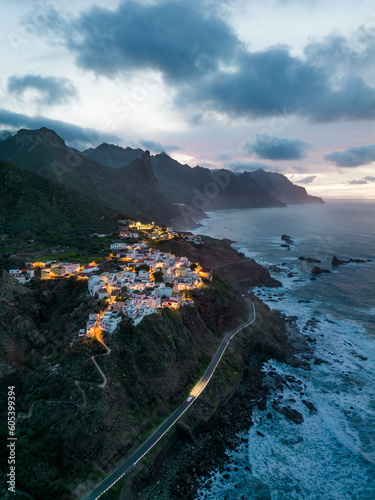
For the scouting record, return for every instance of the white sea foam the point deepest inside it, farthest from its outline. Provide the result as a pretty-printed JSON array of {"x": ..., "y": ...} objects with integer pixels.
[{"x": 331, "y": 455}]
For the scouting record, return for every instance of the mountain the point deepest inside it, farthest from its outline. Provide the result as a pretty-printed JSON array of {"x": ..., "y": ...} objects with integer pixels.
[
  {"x": 132, "y": 189},
  {"x": 206, "y": 189},
  {"x": 29, "y": 202},
  {"x": 280, "y": 187},
  {"x": 156, "y": 188},
  {"x": 113, "y": 156},
  {"x": 183, "y": 184}
]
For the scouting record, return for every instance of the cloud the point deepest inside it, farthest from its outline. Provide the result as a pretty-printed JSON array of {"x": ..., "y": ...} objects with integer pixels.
[
  {"x": 307, "y": 180},
  {"x": 210, "y": 69},
  {"x": 173, "y": 37},
  {"x": 360, "y": 181},
  {"x": 246, "y": 166},
  {"x": 276, "y": 148},
  {"x": 223, "y": 156},
  {"x": 365, "y": 180},
  {"x": 74, "y": 135},
  {"x": 156, "y": 146},
  {"x": 5, "y": 134},
  {"x": 51, "y": 90},
  {"x": 336, "y": 51},
  {"x": 352, "y": 157},
  {"x": 300, "y": 169},
  {"x": 270, "y": 82}
]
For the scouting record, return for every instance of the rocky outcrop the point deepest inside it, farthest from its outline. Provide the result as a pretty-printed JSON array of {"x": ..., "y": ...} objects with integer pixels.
[
  {"x": 310, "y": 259},
  {"x": 290, "y": 413},
  {"x": 246, "y": 274},
  {"x": 338, "y": 262},
  {"x": 317, "y": 270},
  {"x": 287, "y": 239}
]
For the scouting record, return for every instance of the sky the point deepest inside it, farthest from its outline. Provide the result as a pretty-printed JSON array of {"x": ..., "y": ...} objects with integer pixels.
[{"x": 283, "y": 85}]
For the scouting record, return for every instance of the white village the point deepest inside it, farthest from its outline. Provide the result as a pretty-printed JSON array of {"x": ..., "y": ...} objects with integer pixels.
[{"x": 147, "y": 281}]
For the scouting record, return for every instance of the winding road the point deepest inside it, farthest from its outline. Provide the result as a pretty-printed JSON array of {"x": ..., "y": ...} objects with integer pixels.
[{"x": 173, "y": 418}]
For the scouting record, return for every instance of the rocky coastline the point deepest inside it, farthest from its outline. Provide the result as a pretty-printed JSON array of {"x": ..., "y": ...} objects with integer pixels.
[{"x": 193, "y": 452}]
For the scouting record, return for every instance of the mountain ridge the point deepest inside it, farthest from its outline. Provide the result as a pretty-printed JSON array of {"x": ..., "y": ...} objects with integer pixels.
[
  {"x": 131, "y": 189},
  {"x": 275, "y": 185},
  {"x": 151, "y": 188}
]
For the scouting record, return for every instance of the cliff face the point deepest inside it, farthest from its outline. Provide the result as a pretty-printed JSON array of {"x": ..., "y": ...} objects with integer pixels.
[{"x": 281, "y": 187}]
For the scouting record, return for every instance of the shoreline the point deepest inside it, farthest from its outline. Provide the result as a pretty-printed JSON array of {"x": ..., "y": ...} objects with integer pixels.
[{"x": 192, "y": 455}]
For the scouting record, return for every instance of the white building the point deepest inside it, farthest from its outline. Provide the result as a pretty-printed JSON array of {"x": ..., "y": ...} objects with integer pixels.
[
  {"x": 90, "y": 269},
  {"x": 109, "y": 325},
  {"x": 120, "y": 245},
  {"x": 71, "y": 267},
  {"x": 94, "y": 284}
]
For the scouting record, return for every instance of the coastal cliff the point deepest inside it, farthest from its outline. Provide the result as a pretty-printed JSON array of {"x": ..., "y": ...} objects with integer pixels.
[
  {"x": 242, "y": 272},
  {"x": 63, "y": 407},
  {"x": 199, "y": 443},
  {"x": 89, "y": 428}
]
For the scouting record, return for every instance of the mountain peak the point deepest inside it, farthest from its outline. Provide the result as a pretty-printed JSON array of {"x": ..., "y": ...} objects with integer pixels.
[
  {"x": 113, "y": 156},
  {"x": 42, "y": 136}
]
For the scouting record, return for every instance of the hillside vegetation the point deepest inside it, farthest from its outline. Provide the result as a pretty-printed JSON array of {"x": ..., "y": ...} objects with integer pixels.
[
  {"x": 150, "y": 370},
  {"x": 30, "y": 203}
]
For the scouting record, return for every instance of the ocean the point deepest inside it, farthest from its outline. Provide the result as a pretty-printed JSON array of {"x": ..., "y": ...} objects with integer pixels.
[{"x": 331, "y": 454}]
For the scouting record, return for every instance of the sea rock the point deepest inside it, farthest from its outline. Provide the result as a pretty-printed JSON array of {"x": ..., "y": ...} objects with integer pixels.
[
  {"x": 310, "y": 259},
  {"x": 290, "y": 413},
  {"x": 338, "y": 262},
  {"x": 287, "y": 239},
  {"x": 318, "y": 270},
  {"x": 310, "y": 406},
  {"x": 319, "y": 361}
]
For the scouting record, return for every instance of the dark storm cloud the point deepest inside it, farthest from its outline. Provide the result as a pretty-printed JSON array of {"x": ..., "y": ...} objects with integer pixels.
[
  {"x": 171, "y": 36},
  {"x": 307, "y": 180},
  {"x": 269, "y": 82},
  {"x": 276, "y": 148},
  {"x": 75, "y": 136},
  {"x": 352, "y": 157},
  {"x": 210, "y": 69},
  {"x": 156, "y": 146},
  {"x": 51, "y": 90}
]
